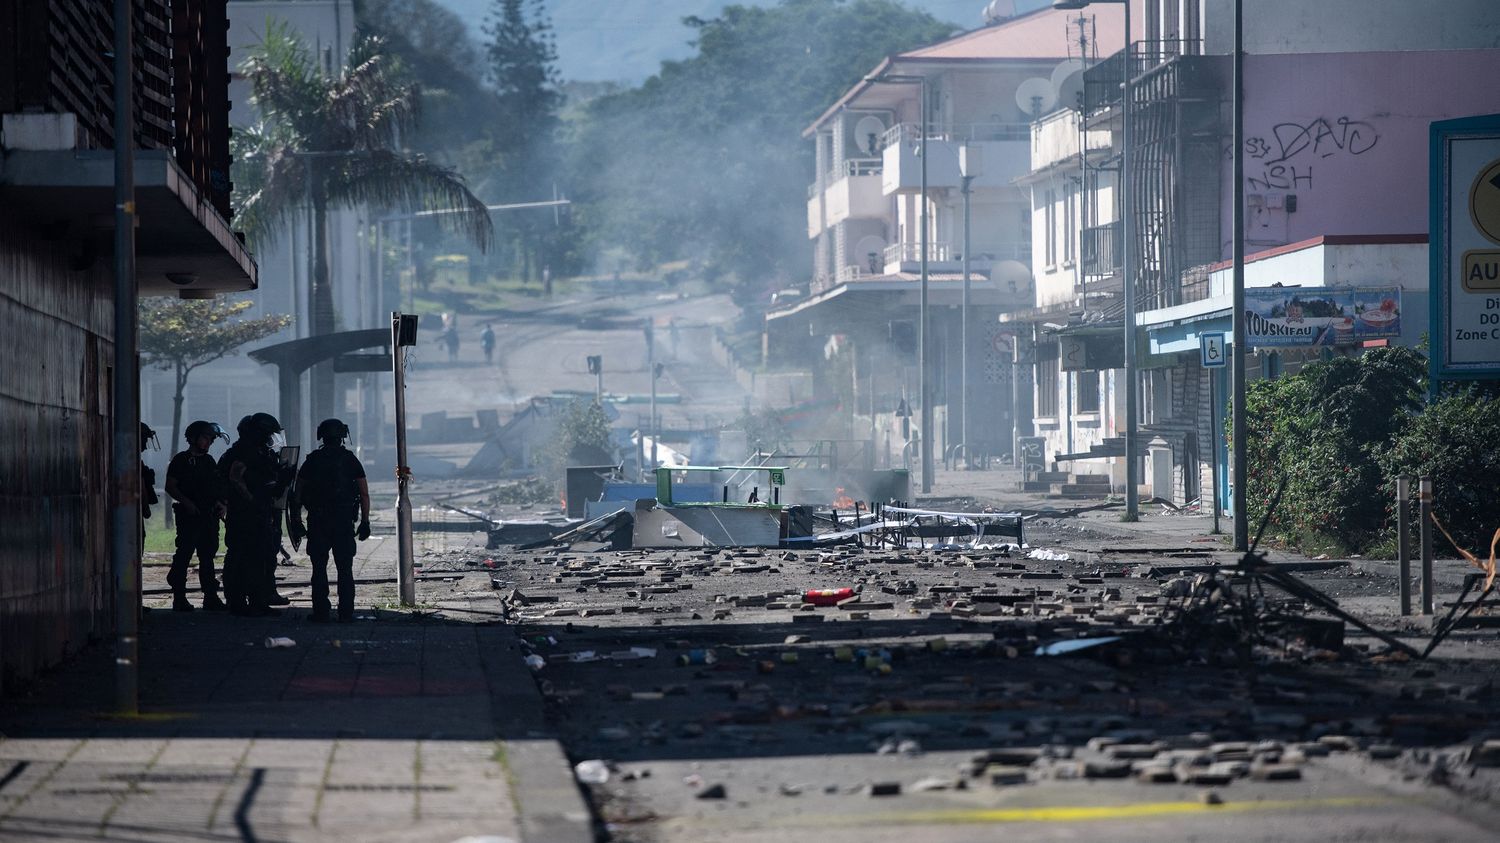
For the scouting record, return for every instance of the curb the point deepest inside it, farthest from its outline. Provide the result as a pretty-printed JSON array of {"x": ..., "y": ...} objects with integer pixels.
[{"x": 549, "y": 804}]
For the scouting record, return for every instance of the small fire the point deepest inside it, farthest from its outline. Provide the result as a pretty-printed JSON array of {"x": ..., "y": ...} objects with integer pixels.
[{"x": 841, "y": 500}]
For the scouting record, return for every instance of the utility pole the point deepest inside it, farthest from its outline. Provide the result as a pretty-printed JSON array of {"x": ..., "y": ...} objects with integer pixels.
[
  {"x": 1237, "y": 299},
  {"x": 403, "y": 333},
  {"x": 125, "y": 451},
  {"x": 924, "y": 387},
  {"x": 1127, "y": 233},
  {"x": 968, "y": 166},
  {"x": 651, "y": 369}
]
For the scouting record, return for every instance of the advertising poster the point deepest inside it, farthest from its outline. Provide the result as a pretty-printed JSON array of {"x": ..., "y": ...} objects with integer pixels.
[{"x": 1282, "y": 317}]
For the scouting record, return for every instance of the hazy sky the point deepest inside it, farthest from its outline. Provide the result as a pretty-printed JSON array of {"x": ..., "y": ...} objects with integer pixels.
[{"x": 627, "y": 40}]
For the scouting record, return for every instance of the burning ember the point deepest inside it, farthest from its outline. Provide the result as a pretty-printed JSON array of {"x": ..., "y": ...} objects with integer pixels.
[{"x": 841, "y": 500}]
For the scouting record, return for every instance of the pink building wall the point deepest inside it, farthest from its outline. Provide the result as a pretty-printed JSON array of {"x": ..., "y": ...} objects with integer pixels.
[{"x": 1346, "y": 133}]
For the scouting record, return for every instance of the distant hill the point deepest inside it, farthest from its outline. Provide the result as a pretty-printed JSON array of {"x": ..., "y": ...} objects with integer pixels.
[{"x": 627, "y": 40}]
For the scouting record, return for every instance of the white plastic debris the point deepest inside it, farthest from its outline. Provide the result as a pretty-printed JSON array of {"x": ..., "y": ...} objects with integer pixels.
[
  {"x": 593, "y": 771},
  {"x": 1045, "y": 555},
  {"x": 535, "y": 662},
  {"x": 279, "y": 643}
]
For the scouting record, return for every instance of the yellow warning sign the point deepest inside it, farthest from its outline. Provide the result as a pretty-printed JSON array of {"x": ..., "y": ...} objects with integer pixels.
[
  {"x": 1484, "y": 203},
  {"x": 1481, "y": 271}
]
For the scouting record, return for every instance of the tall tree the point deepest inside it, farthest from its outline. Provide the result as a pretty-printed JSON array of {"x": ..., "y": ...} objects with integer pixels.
[
  {"x": 522, "y": 58},
  {"x": 178, "y": 336},
  {"x": 333, "y": 140}
]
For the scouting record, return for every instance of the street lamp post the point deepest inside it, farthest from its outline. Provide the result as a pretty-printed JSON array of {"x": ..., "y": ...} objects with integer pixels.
[
  {"x": 1132, "y": 470},
  {"x": 969, "y": 163},
  {"x": 1237, "y": 300},
  {"x": 923, "y": 387}
]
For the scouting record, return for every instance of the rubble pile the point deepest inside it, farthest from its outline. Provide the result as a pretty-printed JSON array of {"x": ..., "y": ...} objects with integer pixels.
[{"x": 958, "y": 670}]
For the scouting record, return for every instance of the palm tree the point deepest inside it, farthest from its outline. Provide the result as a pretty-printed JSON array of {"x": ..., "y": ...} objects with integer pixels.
[{"x": 332, "y": 140}]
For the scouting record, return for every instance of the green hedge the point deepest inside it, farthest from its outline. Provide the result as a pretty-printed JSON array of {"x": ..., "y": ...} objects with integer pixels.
[
  {"x": 1456, "y": 441},
  {"x": 1341, "y": 431}
]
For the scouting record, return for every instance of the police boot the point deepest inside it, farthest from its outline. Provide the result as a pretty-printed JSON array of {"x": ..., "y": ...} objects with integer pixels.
[
  {"x": 212, "y": 603},
  {"x": 180, "y": 603}
]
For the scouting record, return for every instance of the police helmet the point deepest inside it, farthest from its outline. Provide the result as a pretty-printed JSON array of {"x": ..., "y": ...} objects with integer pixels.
[
  {"x": 204, "y": 428},
  {"x": 332, "y": 431},
  {"x": 148, "y": 437},
  {"x": 267, "y": 422},
  {"x": 258, "y": 427}
]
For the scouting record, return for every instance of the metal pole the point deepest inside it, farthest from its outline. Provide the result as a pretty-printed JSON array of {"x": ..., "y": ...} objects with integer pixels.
[
  {"x": 1132, "y": 470},
  {"x": 1237, "y": 300},
  {"x": 1424, "y": 530},
  {"x": 923, "y": 387},
  {"x": 1403, "y": 539},
  {"x": 405, "y": 575},
  {"x": 651, "y": 371},
  {"x": 1213, "y": 439},
  {"x": 125, "y": 451},
  {"x": 963, "y": 356}
]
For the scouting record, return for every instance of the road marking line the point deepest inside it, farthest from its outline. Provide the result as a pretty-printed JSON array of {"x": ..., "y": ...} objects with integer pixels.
[{"x": 1081, "y": 813}]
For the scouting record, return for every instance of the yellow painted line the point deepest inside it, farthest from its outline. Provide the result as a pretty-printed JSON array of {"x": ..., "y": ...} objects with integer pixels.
[
  {"x": 148, "y": 716},
  {"x": 1141, "y": 810}
]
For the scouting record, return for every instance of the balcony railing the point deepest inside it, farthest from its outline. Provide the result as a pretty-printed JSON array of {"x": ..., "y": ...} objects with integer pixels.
[
  {"x": 1100, "y": 249},
  {"x": 1104, "y": 83},
  {"x": 905, "y": 252},
  {"x": 852, "y": 167},
  {"x": 909, "y": 133}
]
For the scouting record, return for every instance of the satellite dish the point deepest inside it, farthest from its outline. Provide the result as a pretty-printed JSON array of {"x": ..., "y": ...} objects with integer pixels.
[
  {"x": 867, "y": 132},
  {"x": 1070, "y": 91},
  {"x": 1063, "y": 71},
  {"x": 1011, "y": 274},
  {"x": 1035, "y": 96}
]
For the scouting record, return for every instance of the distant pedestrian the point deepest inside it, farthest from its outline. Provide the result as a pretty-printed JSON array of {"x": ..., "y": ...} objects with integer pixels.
[
  {"x": 487, "y": 342},
  {"x": 193, "y": 481},
  {"x": 255, "y": 478},
  {"x": 450, "y": 339},
  {"x": 331, "y": 486}
]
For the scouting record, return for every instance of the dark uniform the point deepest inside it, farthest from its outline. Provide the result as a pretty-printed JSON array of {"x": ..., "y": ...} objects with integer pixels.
[
  {"x": 328, "y": 486},
  {"x": 251, "y": 534},
  {"x": 193, "y": 478}
]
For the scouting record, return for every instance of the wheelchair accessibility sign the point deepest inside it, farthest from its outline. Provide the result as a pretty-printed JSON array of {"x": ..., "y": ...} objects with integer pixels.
[{"x": 1211, "y": 346}]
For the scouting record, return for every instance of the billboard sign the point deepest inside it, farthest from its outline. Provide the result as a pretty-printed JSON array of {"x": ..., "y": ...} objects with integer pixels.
[
  {"x": 1285, "y": 317},
  {"x": 1465, "y": 250}
]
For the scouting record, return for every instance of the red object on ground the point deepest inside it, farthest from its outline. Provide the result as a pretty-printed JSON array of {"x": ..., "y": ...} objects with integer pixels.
[{"x": 827, "y": 596}]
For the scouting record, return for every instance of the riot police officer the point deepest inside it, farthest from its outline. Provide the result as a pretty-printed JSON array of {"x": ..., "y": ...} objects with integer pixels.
[
  {"x": 332, "y": 487},
  {"x": 255, "y": 480},
  {"x": 193, "y": 481},
  {"x": 148, "y": 475}
]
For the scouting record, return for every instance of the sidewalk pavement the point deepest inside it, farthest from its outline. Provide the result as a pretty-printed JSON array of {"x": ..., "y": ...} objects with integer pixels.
[{"x": 404, "y": 725}]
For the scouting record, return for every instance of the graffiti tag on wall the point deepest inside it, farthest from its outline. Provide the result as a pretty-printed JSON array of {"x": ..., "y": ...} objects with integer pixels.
[{"x": 1286, "y": 156}]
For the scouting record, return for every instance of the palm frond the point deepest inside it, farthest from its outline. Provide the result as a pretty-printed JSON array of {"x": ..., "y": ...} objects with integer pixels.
[
  {"x": 370, "y": 104},
  {"x": 284, "y": 81},
  {"x": 383, "y": 178},
  {"x": 281, "y": 186}
]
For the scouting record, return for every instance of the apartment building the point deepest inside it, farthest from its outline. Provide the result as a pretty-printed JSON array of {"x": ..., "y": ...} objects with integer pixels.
[
  {"x": 954, "y": 116},
  {"x": 1338, "y": 103}
]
